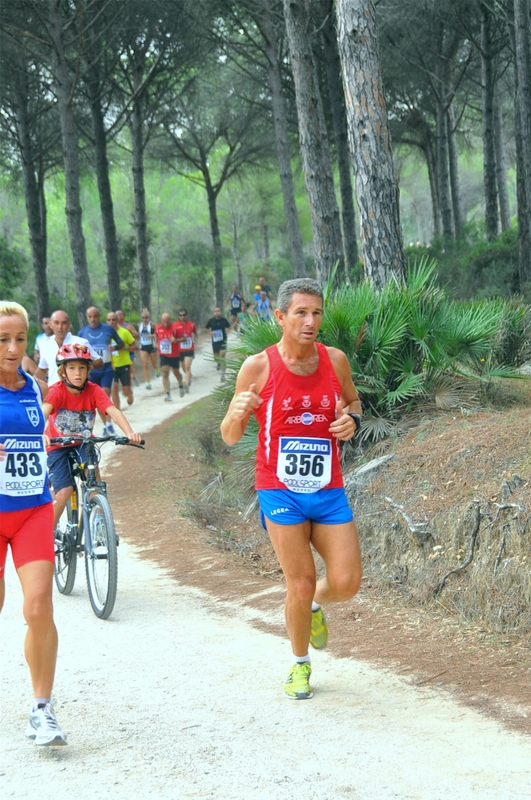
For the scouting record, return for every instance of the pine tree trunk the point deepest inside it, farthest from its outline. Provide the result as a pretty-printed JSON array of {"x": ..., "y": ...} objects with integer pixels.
[
  {"x": 339, "y": 120},
  {"x": 74, "y": 213},
  {"x": 370, "y": 142},
  {"x": 432, "y": 176},
  {"x": 236, "y": 252},
  {"x": 454, "y": 171},
  {"x": 501, "y": 168},
  {"x": 36, "y": 225},
  {"x": 282, "y": 144},
  {"x": 487, "y": 103},
  {"x": 521, "y": 37},
  {"x": 216, "y": 238},
  {"x": 315, "y": 151},
  {"x": 136, "y": 128},
  {"x": 443, "y": 176},
  {"x": 104, "y": 188}
]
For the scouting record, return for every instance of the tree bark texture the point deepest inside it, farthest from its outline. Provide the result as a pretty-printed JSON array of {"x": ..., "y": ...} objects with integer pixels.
[
  {"x": 136, "y": 128},
  {"x": 339, "y": 121},
  {"x": 455, "y": 185},
  {"x": 315, "y": 151},
  {"x": 522, "y": 34},
  {"x": 74, "y": 214},
  {"x": 282, "y": 144},
  {"x": 488, "y": 124},
  {"x": 501, "y": 167},
  {"x": 432, "y": 176},
  {"x": 36, "y": 225},
  {"x": 216, "y": 238},
  {"x": 443, "y": 170},
  {"x": 370, "y": 143},
  {"x": 104, "y": 189}
]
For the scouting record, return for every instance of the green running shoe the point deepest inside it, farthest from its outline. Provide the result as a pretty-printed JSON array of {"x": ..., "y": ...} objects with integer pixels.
[
  {"x": 319, "y": 632},
  {"x": 297, "y": 686}
]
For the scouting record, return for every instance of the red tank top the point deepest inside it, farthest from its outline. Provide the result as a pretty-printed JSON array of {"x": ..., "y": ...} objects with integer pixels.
[{"x": 295, "y": 449}]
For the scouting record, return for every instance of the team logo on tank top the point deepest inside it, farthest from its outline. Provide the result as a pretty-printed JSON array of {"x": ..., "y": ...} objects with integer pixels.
[
  {"x": 306, "y": 401},
  {"x": 33, "y": 416},
  {"x": 286, "y": 404},
  {"x": 325, "y": 402}
]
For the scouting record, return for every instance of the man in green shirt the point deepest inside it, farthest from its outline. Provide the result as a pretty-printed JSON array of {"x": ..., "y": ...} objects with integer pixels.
[{"x": 121, "y": 361}]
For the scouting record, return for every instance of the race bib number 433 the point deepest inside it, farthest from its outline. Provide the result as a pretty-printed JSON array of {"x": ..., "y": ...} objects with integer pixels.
[
  {"x": 304, "y": 465},
  {"x": 22, "y": 465}
]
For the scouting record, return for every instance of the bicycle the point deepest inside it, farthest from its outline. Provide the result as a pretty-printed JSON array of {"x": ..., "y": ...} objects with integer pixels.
[{"x": 92, "y": 531}]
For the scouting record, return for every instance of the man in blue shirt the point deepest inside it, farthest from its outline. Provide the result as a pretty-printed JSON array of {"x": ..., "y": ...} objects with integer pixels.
[{"x": 103, "y": 339}]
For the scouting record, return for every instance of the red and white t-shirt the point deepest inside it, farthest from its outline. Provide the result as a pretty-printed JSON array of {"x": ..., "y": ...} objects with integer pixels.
[
  {"x": 295, "y": 448},
  {"x": 189, "y": 331},
  {"x": 165, "y": 346},
  {"x": 74, "y": 413}
]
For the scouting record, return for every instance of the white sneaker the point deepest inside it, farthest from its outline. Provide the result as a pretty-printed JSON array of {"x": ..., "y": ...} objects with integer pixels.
[
  {"x": 110, "y": 429},
  {"x": 167, "y": 398},
  {"x": 44, "y": 728},
  {"x": 181, "y": 391},
  {"x": 186, "y": 388}
]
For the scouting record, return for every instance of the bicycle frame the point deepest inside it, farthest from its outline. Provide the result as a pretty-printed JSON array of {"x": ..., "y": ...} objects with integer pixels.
[{"x": 88, "y": 526}]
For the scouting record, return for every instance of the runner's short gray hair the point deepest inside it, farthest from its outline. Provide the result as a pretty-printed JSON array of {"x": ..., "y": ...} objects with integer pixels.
[{"x": 299, "y": 285}]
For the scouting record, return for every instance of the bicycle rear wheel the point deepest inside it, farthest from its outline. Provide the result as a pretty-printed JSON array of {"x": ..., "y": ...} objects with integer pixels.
[
  {"x": 101, "y": 557},
  {"x": 65, "y": 549}
]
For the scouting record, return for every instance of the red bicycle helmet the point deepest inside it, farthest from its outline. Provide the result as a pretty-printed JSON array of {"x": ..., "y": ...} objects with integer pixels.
[{"x": 73, "y": 352}]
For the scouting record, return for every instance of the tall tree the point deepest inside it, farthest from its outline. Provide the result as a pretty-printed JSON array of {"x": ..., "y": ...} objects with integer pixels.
[
  {"x": 315, "y": 151},
  {"x": 370, "y": 142},
  {"x": 336, "y": 98},
  {"x": 520, "y": 34},
  {"x": 216, "y": 131},
  {"x": 489, "y": 146},
  {"x": 100, "y": 54},
  {"x": 268, "y": 26},
  {"x": 64, "y": 88}
]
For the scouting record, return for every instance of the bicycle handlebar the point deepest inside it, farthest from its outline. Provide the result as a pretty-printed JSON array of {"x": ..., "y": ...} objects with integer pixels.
[{"x": 80, "y": 439}]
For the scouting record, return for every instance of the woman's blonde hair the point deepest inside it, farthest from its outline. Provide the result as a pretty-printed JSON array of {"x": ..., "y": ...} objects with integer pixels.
[{"x": 8, "y": 308}]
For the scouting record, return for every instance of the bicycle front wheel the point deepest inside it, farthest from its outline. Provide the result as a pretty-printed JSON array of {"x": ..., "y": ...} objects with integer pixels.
[
  {"x": 65, "y": 549},
  {"x": 101, "y": 557}
]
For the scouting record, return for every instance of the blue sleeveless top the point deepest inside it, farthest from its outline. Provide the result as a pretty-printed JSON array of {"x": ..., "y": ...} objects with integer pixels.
[{"x": 23, "y": 470}]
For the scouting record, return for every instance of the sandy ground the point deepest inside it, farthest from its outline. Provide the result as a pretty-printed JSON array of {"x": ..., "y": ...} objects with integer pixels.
[{"x": 178, "y": 695}]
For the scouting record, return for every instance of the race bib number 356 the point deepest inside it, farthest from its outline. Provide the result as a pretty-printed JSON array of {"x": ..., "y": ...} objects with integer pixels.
[
  {"x": 304, "y": 465},
  {"x": 23, "y": 466}
]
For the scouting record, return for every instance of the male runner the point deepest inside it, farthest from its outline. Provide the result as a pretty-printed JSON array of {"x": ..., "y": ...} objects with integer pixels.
[
  {"x": 42, "y": 337},
  {"x": 169, "y": 336},
  {"x": 60, "y": 325},
  {"x": 122, "y": 323},
  {"x": 187, "y": 346},
  {"x": 218, "y": 327},
  {"x": 121, "y": 361},
  {"x": 101, "y": 335},
  {"x": 234, "y": 301},
  {"x": 305, "y": 402}
]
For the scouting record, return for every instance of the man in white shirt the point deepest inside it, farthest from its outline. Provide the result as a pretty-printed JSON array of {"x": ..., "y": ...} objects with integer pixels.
[
  {"x": 60, "y": 324},
  {"x": 42, "y": 337}
]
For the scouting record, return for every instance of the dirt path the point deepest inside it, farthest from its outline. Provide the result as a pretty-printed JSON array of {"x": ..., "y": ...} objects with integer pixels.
[{"x": 179, "y": 695}]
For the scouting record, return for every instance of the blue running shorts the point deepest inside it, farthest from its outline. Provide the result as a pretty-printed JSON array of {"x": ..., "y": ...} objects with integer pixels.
[{"x": 327, "y": 506}]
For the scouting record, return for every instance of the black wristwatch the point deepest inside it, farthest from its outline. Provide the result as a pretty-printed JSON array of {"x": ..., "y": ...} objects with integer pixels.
[{"x": 357, "y": 420}]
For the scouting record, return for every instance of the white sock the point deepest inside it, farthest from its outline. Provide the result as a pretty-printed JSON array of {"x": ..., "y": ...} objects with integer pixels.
[
  {"x": 40, "y": 701},
  {"x": 302, "y": 659},
  {"x": 315, "y": 606}
]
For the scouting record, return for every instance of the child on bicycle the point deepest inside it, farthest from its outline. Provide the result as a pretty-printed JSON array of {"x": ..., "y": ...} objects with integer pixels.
[{"x": 70, "y": 408}]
